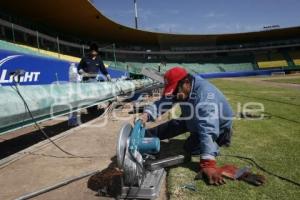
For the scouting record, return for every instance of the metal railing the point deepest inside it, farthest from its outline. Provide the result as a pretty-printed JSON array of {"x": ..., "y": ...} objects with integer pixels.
[{"x": 19, "y": 34}]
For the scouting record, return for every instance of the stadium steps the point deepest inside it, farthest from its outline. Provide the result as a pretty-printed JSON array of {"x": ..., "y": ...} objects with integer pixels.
[
  {"x": 288, "y": 58},
  {"x": 295, "y": 56}
]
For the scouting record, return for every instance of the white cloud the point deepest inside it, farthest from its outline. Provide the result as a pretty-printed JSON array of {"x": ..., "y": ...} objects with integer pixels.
[
  {"x": 173, "y": 11},
  {"x": 231, "y": 28},
  {"x": 164, "y": 27},
  {"x": 146, "y": 14},
  {"x": 213, "y": 14}
]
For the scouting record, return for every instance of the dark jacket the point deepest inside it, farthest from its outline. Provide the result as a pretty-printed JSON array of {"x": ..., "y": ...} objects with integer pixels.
[{"x": 88, "y": 65}]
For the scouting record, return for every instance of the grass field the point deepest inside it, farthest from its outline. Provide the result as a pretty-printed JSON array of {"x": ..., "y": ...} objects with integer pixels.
[
  {"x": 274, "y": 143},
  {"x": 284, "y": 80}
]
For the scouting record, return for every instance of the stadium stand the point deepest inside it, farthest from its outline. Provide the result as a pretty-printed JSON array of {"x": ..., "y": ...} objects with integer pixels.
[
  {"x": 52, "y": 54},
  {"x": 69, "y": 37},
  {"x": 219, "y": 67},
  {"x": 217, "y": 61},
  {"x": 205, "y": 67},
  {"x": 270, "y": 60},
  {"x": 242, "y": 63},
  {"x": 12, "y": 47},
  {"x": 295, "y": 56},
  {"x": 34, "y": 51},
  {"x": 221, "y": 59}
]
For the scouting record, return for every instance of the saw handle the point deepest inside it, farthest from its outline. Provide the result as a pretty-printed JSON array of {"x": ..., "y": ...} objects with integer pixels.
[
  {"x": 138, "y": 132},
  {"x": 138, "y": 141}
]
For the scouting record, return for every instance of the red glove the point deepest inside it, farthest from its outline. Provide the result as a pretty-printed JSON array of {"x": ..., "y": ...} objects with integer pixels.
[{"x": 211, "y": 172}]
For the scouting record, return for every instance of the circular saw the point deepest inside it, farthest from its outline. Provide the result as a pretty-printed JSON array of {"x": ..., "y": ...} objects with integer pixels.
[
  {"x": 132, "y": 148},
  {"x": 142, "y": 175}
]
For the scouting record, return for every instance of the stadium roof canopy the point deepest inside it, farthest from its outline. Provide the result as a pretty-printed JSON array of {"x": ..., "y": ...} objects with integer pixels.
[{"x": 81, "y": 19}]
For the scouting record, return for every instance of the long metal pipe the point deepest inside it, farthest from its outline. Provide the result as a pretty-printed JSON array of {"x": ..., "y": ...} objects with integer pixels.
[{"x": 50, "y": 101}]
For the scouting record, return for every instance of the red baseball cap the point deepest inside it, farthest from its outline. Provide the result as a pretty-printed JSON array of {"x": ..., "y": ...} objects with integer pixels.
[{"x": 172, "y": 77}]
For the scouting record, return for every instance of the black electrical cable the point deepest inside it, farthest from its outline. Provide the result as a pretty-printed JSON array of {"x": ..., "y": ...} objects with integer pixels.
[
  {"x": 262, "y": 168},
  {"x": 42, "y": 131},
  {"x": 253, "y": 162}
]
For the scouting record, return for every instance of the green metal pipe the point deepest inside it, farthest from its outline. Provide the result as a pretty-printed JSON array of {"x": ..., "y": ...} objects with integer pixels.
[{"x": 49, "y": 101}]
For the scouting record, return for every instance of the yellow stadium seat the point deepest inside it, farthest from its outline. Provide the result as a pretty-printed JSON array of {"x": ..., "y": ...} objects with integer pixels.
[
  {"x": 273, "y": 61},
  {"x": 52, "y": 54}
]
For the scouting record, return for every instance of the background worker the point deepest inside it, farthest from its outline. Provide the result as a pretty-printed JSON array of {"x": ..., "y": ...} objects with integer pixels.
[
  {"x": 89, "y": 68},
  {"x": 90, "y": 65},
  {"x": 208, "y": 117}
]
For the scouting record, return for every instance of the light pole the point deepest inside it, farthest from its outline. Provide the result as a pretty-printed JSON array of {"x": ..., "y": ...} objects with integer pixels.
[{"x": 136, "y": 14}]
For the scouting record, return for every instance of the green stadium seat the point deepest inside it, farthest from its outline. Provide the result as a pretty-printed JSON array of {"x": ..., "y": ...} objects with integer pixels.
[
  {"x": 13, "y": 47},
  {"x": 34, "y": 51}
]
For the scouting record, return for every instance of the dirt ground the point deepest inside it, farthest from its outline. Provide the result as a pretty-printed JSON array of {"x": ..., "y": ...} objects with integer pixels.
[{"x": 43, "y": 165}]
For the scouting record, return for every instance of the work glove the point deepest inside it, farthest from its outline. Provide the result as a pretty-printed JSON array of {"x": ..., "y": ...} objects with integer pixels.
[
  {"x": 81, "y": 72},
  {"x": 143, "y": 118},
  {"x": 211, "y": 173},
  {"x": 231, "y": 172}
]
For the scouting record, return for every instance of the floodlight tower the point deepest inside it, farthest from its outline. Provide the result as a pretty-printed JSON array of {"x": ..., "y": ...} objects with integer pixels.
[{"x": 136, "y": 14}]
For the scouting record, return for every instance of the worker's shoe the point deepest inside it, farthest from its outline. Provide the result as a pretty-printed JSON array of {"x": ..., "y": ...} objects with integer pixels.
[
  {"x": 191, "y": 145},
  {"x": 93, "y": 110},
  {"x": 224, "y": 138},
  {"x": 253, "y": 179}
]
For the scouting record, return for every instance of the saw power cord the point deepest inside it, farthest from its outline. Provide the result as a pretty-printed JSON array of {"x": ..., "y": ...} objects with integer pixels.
[
  {"x": 254, "y": 163},
  {"x": 71, "y": 155}
]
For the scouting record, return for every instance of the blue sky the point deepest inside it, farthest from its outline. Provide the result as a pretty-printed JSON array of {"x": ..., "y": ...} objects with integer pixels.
[{"x": 203, "y": 16}]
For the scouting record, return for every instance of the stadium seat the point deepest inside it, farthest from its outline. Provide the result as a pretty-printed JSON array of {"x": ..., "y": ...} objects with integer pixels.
[
  {"x": 272, "y": 60},
  {"x": 206, "y": 67},
  {"x": 13, "y": 47},
  {"x": 34, "y": 51}
]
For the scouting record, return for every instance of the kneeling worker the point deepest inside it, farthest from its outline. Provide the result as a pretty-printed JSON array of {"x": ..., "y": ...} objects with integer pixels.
[{"x": 205, "y": 113}]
